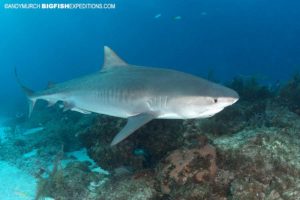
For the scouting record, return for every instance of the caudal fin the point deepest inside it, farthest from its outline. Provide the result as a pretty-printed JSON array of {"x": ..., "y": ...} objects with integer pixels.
[{"x": 29, "y": 93}]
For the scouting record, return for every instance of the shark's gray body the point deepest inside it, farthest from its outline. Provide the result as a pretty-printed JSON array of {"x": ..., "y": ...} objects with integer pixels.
[{"x": 138, "y": 93}]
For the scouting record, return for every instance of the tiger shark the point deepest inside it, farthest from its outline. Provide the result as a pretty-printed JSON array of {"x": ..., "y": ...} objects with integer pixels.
[{"x": 137, "y": 93}]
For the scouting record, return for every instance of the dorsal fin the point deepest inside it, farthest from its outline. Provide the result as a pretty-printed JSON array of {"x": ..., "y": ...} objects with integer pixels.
[{"x": 111, "y": 59}]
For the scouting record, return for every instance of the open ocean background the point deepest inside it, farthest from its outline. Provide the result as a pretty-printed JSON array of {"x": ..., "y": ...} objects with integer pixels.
[{"x": 221, "y": 38}]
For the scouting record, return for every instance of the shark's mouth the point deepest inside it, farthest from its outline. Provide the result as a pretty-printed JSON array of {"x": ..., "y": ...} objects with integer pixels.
[{"x": 210, "y": 112}]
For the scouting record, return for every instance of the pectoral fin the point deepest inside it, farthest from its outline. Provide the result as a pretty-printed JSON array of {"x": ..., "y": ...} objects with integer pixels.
[{"x": 132, "y": 125}]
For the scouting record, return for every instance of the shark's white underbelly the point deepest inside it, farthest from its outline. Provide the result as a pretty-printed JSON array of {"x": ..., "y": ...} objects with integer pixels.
[
  {"x": 117, "y": 104},
  {"x": 120, "y": 105}
]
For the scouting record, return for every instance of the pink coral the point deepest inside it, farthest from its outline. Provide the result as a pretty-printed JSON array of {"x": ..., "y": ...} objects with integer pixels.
[{"x": 198, "y": 164}]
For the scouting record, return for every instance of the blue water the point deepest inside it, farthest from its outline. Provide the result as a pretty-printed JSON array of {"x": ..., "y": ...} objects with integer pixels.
[{"x": 226, "y": 38}]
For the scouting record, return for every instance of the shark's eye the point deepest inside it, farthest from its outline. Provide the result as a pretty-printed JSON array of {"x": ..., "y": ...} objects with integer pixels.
[{"x": 216, "y": 100}]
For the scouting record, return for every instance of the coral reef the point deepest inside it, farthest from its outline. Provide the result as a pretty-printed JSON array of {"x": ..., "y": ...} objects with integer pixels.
[
  {"x": 289, "y": 94},
  {"x": 249, "y": 89},
  {"x": 140, "y": 186},
  {"x": 154, "y": 138},
  {"x": 187, "y": 165},
  {"x": 69, "y": 183},
  {"x": 264, "y": 161},
  {"x": 57, "y": 129}
]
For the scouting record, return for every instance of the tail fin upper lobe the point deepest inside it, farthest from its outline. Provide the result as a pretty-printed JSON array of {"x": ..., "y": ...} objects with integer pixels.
[{"x": 29, "y": 93}]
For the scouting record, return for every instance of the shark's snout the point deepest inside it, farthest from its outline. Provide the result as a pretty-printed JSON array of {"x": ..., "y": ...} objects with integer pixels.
[
  {"x": 231, "y": 97},
  {"x": 230, "y": 101},
  {"x": 235, "y": 97},
  {"x": 228, "y": 98}
]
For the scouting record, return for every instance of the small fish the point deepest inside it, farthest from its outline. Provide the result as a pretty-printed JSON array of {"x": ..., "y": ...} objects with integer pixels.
[
  {"x": 33, "y": 130},
  {"x": 22, "y": 194},
  {"x": 157, "y": 16},
  {"x": 145, "y": 154},
  {"x": 178, "y": 17},
  {"x": 140, "y": 152},
  {"x": 122, "y": 170}
]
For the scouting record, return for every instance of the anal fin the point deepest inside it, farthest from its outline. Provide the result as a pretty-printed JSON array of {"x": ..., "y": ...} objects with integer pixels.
[
  {"x": 67, "y": 106},
  {"x": 70, "y": 106},
  {"x": 133, "y": 123},
  {"x": 51, "y": 103}
]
